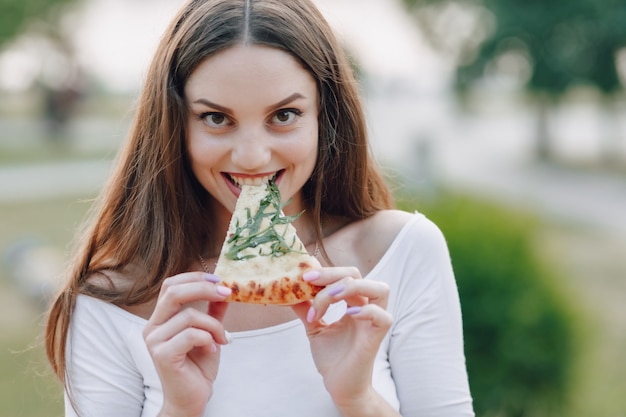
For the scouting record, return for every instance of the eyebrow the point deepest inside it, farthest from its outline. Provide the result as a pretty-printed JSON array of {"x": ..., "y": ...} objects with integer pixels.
[{"x": 224, "y": 109}]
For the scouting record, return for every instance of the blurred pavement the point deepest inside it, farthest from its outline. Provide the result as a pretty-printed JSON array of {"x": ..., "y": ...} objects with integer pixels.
[{"x": 52, "y": 180}]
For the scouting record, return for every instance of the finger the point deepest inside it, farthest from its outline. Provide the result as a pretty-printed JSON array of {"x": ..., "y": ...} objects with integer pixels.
[
  {"x": 177, "y": 347},
  {"x": 174, "y": 297},
  {"x": 327, "y": 276},
  {"x": 375, "y": 292},
  {"x": 218, "y": 309},
  {"x": 377, "y": 316},
  {"x": 188, "y": 277},
  {"x": 188, "y": 318},
  {"x": 303, "y": 311},
  {"x": 355, "y": 292}
]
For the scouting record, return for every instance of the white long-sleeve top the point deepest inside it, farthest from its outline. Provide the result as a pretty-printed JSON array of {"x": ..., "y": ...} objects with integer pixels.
[{"x": 420, "y": 368}]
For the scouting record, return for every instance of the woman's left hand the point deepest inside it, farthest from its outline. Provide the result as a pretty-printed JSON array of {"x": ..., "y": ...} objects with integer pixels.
[{"x": 344, "y": 351}]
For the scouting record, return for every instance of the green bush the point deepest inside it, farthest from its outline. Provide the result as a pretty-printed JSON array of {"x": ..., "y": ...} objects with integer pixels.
[{"x": 519, "y": 331}]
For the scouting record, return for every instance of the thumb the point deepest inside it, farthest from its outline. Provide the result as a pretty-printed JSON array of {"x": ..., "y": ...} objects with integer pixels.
[
  {"x": 217, "y": 309},
  {"x": 302, "y": 310}
]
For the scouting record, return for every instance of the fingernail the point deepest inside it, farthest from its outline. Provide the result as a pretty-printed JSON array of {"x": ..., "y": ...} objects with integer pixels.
[
  {"x": 228, "y": 336},
  {"x": 311, "y": 275},
  {"x": 225, "y": 291},
  {"x": 338, "y": 289},
  {"x": 310, "y": 316},
  {"x": 353, "y": 310},
  {"x": 212, "y": 278},
  {"x": 213, "y": 348}
]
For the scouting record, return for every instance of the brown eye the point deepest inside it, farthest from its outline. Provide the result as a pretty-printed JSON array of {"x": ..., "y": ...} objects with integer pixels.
[
  {"x": 283, "y": 116},
  {"x": 215, "y": 119},
  {"x": 286, "y": 116}
]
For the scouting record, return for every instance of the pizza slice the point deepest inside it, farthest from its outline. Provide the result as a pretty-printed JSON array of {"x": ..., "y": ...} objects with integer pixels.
[{"x": 262, "y": 259}]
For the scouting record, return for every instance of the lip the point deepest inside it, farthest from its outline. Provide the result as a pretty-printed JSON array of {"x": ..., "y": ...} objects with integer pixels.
[{"x": 249, "y": 179}]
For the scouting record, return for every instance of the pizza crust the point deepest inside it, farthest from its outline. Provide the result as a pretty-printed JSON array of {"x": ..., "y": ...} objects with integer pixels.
[{"x": 287, "y": 289}]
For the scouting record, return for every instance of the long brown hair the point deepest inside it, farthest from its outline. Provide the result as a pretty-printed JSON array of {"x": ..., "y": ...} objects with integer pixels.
[{"x": 153, "y": 215}]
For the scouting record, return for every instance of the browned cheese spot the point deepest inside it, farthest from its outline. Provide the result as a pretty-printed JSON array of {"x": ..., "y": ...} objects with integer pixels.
[
  {"x": 284, "y": 289},
  {"x": 297, "y": 291},
  {"x": 269, "y": 291},
  {"x": 235, "y": 288}
]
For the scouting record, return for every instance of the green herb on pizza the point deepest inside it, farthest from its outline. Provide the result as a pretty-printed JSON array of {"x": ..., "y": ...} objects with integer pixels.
[{"x": 256, "y": 232}]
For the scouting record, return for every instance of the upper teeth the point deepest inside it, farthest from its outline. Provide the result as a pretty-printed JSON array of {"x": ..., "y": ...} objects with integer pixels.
[{"x": 252, "y": 181}]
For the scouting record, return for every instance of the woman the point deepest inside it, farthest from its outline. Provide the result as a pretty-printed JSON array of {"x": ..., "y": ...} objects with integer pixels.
[{"x": 245, "y": 91}]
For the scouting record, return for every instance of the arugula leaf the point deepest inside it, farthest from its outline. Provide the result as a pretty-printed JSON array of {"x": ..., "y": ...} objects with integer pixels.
[{"x": 251, "y": 235}]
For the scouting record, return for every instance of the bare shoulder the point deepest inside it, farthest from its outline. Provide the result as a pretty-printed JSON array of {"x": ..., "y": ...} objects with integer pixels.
[
  {"x": 385, "y": 225},
  {"x": 379, "y": 231},
  {"x": 363, "y": 243}
]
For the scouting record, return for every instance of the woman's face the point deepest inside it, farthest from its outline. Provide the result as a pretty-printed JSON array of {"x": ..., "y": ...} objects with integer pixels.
[{"x": 252, "y": 116}]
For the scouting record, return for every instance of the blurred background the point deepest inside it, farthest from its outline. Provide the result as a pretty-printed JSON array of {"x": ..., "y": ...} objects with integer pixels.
[{"x": 502, "y": 120}]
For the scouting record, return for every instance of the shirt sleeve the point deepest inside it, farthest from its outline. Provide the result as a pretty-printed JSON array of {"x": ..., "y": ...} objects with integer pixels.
[
  {"x": 102, "y": 378},
  {"x": 426, "y": 352}
]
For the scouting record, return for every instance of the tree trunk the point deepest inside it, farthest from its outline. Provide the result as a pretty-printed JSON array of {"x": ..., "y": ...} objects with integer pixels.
[
  {"x": 610, "y": 141},
  {"x": 543, "y": 140}
]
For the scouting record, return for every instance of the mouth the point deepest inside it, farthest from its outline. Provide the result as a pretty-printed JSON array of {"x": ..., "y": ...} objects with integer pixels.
[{"x": 240, "y": 180}]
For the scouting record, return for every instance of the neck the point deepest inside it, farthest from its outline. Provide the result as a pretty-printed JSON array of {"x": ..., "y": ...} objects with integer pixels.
[{"x": 305, "y": 228}]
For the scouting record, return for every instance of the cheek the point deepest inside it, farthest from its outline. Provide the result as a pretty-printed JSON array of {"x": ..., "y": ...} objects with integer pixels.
[
  {"x": 303, "y": 151},
  {"x": 201, "y": 153},
  {"x": 194, "y": 152},
  {"x": 313, "y": 146}
]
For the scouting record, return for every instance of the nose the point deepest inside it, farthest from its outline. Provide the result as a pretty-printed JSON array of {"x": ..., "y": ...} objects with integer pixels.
[{"x": 251, "y": 152}]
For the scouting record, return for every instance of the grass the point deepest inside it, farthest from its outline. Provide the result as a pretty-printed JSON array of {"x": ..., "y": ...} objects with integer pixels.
[
  {"x": 54, "y": 221},
  {"x": 595, "y": 266},
  {"x": 27, "y": 387}
]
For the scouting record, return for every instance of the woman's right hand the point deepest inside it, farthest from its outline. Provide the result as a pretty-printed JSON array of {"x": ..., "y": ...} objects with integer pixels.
[{"x": 184, "y": 342}]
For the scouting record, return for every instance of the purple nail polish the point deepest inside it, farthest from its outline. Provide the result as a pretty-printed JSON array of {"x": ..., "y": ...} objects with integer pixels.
[
  {"x": 311, "y": 275},
  {"x": 212, "y": 278},
  {"x": 338, "y": 289},
  {"x": 225, "y": 291},
  {"x": 353, "y": 310},
  {"x": 310, "y": 316}
]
